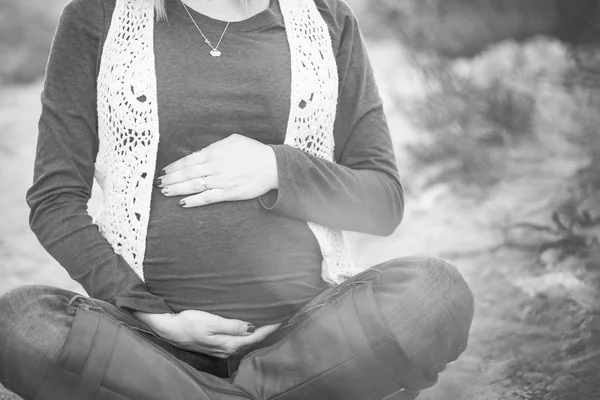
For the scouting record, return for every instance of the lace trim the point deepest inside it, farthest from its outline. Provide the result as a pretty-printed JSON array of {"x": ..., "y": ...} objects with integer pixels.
[
  {"x": 314, "y": 97},
  {"x": 127, "y": 129}
]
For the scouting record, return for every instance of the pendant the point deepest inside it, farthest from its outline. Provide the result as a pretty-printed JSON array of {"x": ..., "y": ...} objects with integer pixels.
[{"x": 215, "y": 53}]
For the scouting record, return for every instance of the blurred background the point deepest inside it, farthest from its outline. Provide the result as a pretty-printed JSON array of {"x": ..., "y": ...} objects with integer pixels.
[{"x": 494, "y": 107}]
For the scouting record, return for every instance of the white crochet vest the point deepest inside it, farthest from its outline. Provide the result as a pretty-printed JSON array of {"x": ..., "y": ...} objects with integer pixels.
[{"x": 128, "y": 125}]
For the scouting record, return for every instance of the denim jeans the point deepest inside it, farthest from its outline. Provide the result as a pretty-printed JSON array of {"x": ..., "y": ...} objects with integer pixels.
[{"x": 425, "y": 302}]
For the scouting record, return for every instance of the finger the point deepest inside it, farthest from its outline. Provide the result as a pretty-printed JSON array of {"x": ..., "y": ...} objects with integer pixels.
[
  {"x": 231, "y": 327},
  {"x": 198, "y": 157},
  {"x": 192, "y": 186},
  {"x": 258, "y": 336},
  {"x": 208, "y": 197},
  {"x": 185, "y": 174}
]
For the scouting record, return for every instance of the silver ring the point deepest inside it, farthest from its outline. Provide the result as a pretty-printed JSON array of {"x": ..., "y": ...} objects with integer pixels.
[{"x": 204, "y": 184}]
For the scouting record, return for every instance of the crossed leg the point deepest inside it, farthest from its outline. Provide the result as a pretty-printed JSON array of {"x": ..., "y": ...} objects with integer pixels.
[{"x": 424, "y": 302}]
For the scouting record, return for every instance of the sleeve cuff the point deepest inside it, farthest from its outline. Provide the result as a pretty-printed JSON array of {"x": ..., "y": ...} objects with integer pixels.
[
  {"x": 274, "y": 199},
  {"x": 157, "y": 306}
]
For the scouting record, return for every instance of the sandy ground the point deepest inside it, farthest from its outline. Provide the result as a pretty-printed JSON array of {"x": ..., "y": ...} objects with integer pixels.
[{"x": 521, "y": 347}]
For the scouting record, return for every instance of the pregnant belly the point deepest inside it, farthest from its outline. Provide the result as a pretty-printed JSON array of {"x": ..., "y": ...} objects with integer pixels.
[{"x": 232, "y": 259}]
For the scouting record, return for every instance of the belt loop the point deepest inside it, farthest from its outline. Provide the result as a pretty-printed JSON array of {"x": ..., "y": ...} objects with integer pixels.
[
  {"x": 74, "y": 298},
  {"x": 89, "y": 305}
]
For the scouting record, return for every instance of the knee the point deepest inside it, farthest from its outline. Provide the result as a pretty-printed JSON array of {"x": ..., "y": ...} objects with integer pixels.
[
  {"x": 26, "y": 301},
  {"x": 34, "y": 323},
  {"x": 24, "y": 313},
  {"x": 15, "y": 306},
  {"x": 428, "y": 305},
  {"x": 29, "y": 310}
]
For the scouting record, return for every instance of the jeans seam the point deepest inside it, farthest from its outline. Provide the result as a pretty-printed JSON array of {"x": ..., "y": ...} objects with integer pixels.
[
  {"x": 313, "y": 378},
  {"x": 259, "y": 351},
  {"x": 351, "y": 286},
  {"x": 334, "y": 292}
]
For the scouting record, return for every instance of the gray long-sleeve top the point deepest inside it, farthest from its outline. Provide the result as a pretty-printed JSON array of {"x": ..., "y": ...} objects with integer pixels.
[{"x": 254, "y": 260}]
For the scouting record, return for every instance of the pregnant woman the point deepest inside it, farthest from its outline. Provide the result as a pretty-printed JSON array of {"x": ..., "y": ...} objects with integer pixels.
[{"x": 234, "y": 141}]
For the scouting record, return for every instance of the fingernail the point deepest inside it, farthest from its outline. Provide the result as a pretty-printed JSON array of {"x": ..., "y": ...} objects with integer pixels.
[
  {"x": 165, "y": 190},
  {"x": 251, "y": 328},
  {"x": 158, "y": 182},
  {"x": 183, "y": 202},
  {"x": 163, "y": 171}
]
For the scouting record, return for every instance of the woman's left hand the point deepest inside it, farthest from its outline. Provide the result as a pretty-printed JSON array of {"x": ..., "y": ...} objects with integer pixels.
[{"x": 232, "y": 169}]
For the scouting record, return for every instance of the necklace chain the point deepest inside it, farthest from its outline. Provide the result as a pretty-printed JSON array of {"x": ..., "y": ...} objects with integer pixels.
[{"x": 215, "y": 52}]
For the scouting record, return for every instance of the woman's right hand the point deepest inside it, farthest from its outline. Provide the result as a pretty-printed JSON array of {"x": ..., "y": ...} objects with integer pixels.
[{"x": 206, "y": 333}]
